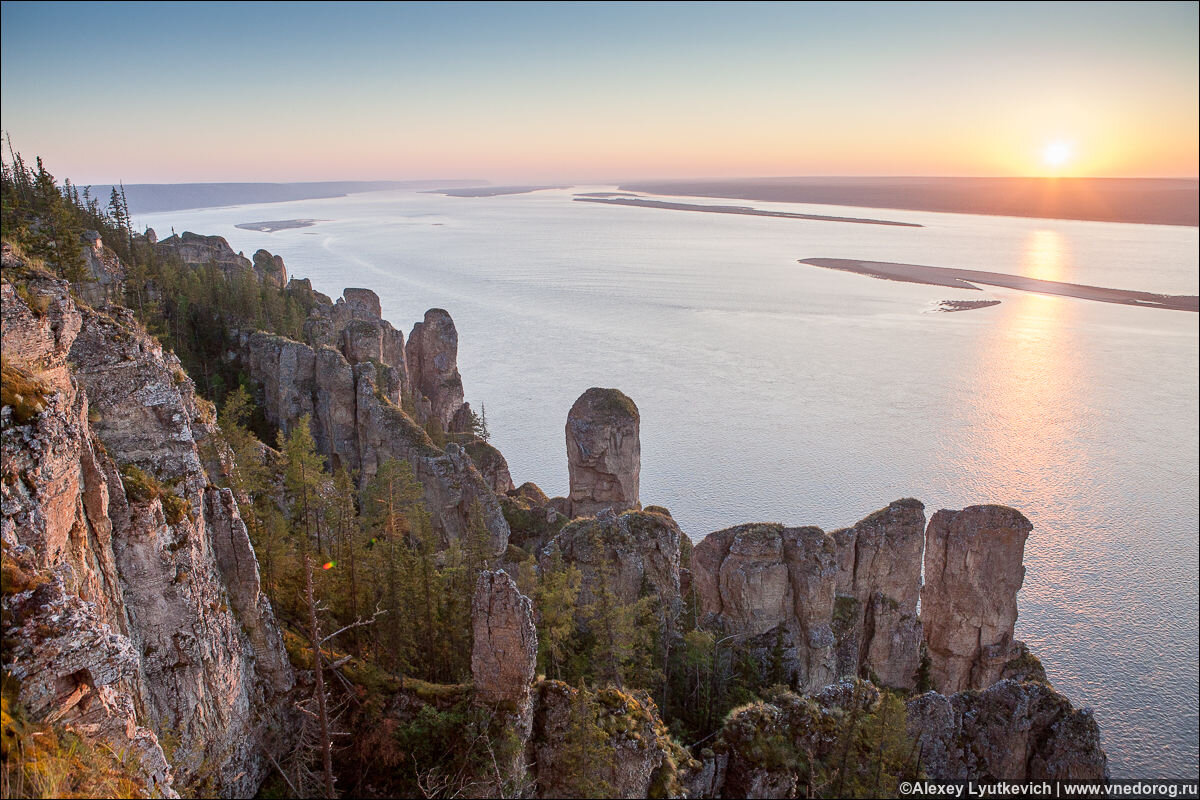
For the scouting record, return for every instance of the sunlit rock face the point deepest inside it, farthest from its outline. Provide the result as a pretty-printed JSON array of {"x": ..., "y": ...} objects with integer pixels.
[
  {"x": 432, "y": 354},
  {"x": 604, "y": 452},
  {"x": 973, "y": 570},
  {"x": 1010, "y": 731},
  {"x": 771, "y": 589},
  {"x": 878, "y": 585}
]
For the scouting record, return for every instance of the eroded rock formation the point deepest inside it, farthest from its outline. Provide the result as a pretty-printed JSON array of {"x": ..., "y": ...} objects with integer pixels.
[
  {"x": 973, "y": 570},
  {"x": 350, "y": 378},
  {"x": 432, "y": 353},
  {"x": 878, "y": 585},
  {"x": 604, "y": 452},
  {"x": 608, "y": 743},
  {"x": 772, "y": 587},
  {"x": 504, "y": 653}
]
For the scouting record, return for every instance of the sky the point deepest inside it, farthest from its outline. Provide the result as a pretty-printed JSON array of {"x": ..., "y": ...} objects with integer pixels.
[{"x": 599, "y": 92}]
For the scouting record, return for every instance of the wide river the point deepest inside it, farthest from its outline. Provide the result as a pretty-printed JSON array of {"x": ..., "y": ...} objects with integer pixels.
[{"x": 775, "y": 391}]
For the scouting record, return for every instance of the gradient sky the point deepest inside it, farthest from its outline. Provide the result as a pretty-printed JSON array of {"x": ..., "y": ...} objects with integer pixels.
[{"x": 576, "y": 92}]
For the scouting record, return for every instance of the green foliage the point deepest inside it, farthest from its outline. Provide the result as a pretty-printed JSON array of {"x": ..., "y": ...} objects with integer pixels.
[
  {"x": 555, "y": 597},
  {"x": 142, "y": 487},
  {"x": 41, "y": 760}
]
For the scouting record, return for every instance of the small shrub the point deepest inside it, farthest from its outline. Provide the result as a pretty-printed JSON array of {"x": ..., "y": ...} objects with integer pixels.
[
  {"x": 22, "y": 391},
  {"x": 141, "y": 487}
]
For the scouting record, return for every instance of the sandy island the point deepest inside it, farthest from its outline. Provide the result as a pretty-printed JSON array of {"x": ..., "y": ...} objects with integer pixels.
[
  {"x": 491, "y": 191},
  {"x": 966, "y": 278},
  {"x": 745, "y": 210},
  {"x": 277, "y": 225}
]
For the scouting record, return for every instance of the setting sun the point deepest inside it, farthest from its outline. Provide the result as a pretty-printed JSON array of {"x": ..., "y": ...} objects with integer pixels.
[{"x": 1057, "y": 154}]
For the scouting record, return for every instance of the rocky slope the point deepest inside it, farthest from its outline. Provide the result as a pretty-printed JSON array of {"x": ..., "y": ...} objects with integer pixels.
[{"x": 142, "y": 610}]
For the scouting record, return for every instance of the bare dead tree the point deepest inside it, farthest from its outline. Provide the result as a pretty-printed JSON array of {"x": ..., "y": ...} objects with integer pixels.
[{"x": 326, "y": 743}]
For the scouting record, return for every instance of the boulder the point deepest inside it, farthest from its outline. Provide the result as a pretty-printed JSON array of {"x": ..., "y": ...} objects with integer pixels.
[{"x": 604, "y": 452}]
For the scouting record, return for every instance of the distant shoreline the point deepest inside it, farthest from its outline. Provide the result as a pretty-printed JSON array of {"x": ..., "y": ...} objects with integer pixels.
[
  {"x": 1148, "y": 201},
  {"x": 965, "y": 278},
  {"x": 743, "y": 210}
]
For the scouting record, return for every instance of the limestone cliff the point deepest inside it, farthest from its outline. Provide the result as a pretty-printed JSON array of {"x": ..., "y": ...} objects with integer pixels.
[
  {"x": 969, "y": 603},
  {"x": 146, "y": 571},
  {"x": 631, "y": 554}
]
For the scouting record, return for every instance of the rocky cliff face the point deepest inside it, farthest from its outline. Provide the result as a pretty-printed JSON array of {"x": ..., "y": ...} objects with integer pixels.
[
  {"x": 772, "y": 586},
  {"x": 604, "y": 452},
  {"x": 105, "y": 493},
  {"x": 1010, "y": 731},
  {"x": 878, "y": 585},
  {"x": 969, "y": 603}
]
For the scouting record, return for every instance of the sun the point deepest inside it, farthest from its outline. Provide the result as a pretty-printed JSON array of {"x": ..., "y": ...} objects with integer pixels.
[{"x": 1057, "y": 154}]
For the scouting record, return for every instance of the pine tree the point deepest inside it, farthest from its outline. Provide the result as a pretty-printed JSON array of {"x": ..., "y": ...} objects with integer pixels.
[{"x": 303, "y": 480}]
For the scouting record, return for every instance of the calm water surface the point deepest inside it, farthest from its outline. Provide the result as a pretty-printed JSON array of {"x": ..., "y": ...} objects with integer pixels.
[{"x": 775, "y": 391}]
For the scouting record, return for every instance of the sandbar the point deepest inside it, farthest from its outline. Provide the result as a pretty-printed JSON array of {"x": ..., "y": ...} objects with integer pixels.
[
  {"x": 271, "y": 226},
  {"x": 950, "y": 306},
  {"x": 744, "y": 210},
  {"x": 966, "y": 278},
  {"x": 491, "y": 191}
]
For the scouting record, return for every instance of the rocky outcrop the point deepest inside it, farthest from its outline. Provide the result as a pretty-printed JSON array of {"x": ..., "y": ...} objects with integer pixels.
[
  {"x": 878, "y": 585},
  {"x": 270, "y": 269},
  {"x": 1010, "y": 731},
  {"x": 503, "y": 666},
  {"x": 432, "y": 354},
  {"x": 151, "y": 571},
  {"x": 531, "y": 520},
  {"x": 200, "y": 251},
  {"x": 973, "y": 570},
  {"x": 604, "y": 452},
  {"x": 454, "y": 491},
  {"x": 628, "y": 555},
  {"x": 491, "y": 464},
  {"x": 788, "y": 745},
  {"x": 504, "y": 653},
  {"x": 773, "y": 588},
  {"x": 607, "y": 743},
  {"x": 104, "y": 270}
]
